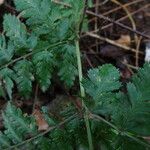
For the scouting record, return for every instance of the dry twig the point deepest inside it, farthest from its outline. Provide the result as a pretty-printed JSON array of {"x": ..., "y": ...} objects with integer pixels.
[{"x": 112, "y": 42}]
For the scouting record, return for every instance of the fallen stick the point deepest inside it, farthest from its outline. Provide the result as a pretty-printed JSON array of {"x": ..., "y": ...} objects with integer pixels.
[{"x": 112, "y": 42}]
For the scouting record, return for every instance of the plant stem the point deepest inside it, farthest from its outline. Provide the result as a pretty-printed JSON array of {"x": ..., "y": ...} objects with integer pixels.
[
  {"x": 124, "y": 133},
  {"x": 31, "y": 53},
  {"x": 82, "y": 91},
  {"x": 79, "y": 68},
  {"x": 43, "y": 133}
]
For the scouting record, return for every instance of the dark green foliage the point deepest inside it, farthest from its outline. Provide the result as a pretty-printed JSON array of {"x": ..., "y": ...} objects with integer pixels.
[
  {"x": 7, "y": 84},
  {"x": 24, "y": 77},
  {"x": 42, "y": 47},
  {"x": 129, "y": 113},
  {"x": 17, "y": 125},
  {"x": 102, "y": 80},
  {"x": 124, "y": 143},
  {"x": 101, "y": 85},
  {"x": 6, "y": 50},
  {"x": 15, "y": 30},
  {"x": 134, "y": 115},
  {"x": 17, "y": 33},
  {"x": 38, "y": 13},
  {"x": 142, "y": 82},
  {"x": 102, "y": 135},
  {"x": 43, "y": 63},
  {"x": 67, "y": 65}
]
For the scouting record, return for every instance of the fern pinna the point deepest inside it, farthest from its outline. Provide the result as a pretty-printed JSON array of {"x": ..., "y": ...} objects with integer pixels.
[{"x": 42, "y": 46}]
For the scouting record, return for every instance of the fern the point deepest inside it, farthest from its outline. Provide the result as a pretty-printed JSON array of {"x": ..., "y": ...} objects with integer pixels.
[
  {"x": 20, "y": 127},
  {"x": 138, "y": 94},
  {"x": 6, "y": 50},
  {"x": 40, "y": 9},
  {"x": 43, "y": 62},
  {"x": 129, "y": 118},
  {"x": 23, "y": 126},
  {"x": 15, "y": 29},
  {"x": 67, "y": 67},
  {"x": 130, "y": 113},
  {"x": 48, "y": 24},
  {"x": 102, "y": 80},
  {"x": 44, "y": 48},
  {"x": 101, "y": 85},
  {"x": 45, "y": 15},
  {"x": 7, "y": 84},
  {"x": 141, "y": 81},
  {"x": 17, "y": 32},
  {"x": 24, "y": 77}
]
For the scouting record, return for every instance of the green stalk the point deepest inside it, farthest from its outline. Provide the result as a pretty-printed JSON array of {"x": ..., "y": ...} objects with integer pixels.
[
  {"x": 82, "y": 91},
  {"x": 79, "y": 68}
]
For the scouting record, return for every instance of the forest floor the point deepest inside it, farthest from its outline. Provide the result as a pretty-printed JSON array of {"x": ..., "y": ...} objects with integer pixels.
[{"x": 120, "y": 41}]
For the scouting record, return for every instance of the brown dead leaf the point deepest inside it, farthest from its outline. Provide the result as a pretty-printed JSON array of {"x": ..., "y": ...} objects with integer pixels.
[
  {"x": 124, "y": 40},
  {"x": 1, "y": 2},
  {"x": 41, "y": 122}
]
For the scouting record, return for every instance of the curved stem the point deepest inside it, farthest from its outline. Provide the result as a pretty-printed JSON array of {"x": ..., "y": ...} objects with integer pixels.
[
  {"x": 43, "y": 133},
  {"x": 30, "y": 54},
  {"x": 124, "y": 133}
]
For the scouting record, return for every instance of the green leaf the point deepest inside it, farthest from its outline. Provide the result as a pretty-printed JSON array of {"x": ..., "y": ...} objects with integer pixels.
[
  {"x": 4, "y": 141},
  {"x": 9, "y": 86},
  {"x": 139, "y": 112},
  {"x": 43, "y": 67},
  {"x": 7, "y": 76},
  {"x": 6, "y": 50},
  {"x": 15, "y": 30},
  {"x": 23, "y": 69},
  {"x": 67, "y": 65},
  {"x": 125, "y": 143},
  {"x": 90, "y": 3},
  {"x": 102, "y": 80},
  {"x": 142, "y": 82},
  {"x": 40, "y": 9},
  {"x": 37, "y": 13},
  {"x": 133, "y": 112},
  {"x": 63, "y": 28},
  {"x": 20, "y": 126}
]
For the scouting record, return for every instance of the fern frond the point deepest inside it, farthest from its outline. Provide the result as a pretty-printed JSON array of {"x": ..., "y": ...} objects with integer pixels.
[
  {"x": 67, "y": 67},
  {"x": 6, "y": 50},
  {"x": 102, "y": 80},
  {"x": 7, "y": 75},
  {"x": 24, "y": 77},
  {"x": 4, "y": 141},
  {"x": 102, "y": 84},
  {"x": 129, "y": 112},
  {"x": 21, "y": 126},
  {"x": 139, "y": 95},
  {"x": 133, "y": 112},
  {"x": 142, "y": 82},
  {"x": 124, "y": 143},
  {"x": 43, "y": 67},
  {"x": 35, "y": 10},
  {"x": 15, "y": 30},
  {"x": 38, "y": 14}
]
